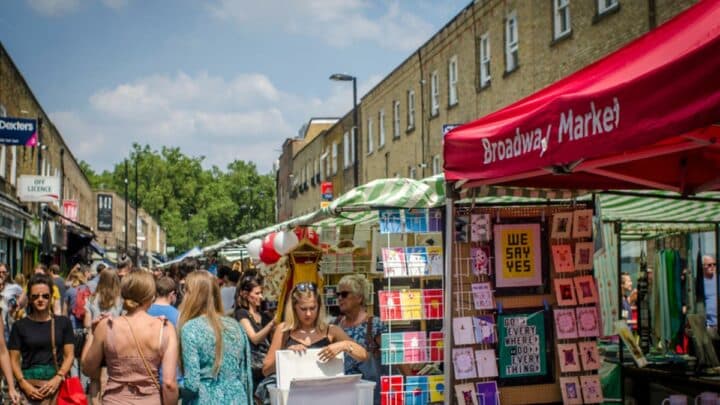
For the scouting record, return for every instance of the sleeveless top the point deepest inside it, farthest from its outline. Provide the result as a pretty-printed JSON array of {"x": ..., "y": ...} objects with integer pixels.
[{"x": 315, "y": 345}]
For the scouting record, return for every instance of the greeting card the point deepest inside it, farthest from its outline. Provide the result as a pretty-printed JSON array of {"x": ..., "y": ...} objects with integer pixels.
[
  {"x": 462, "y": 228},
  {"x": 591, "y": 389},
  {"x": 390, "y": 221},
  {"x": 565, "y": 292},
  {"x": 391, "y": 390},
  {"x": 588, "y": 324},
  {"x": 416, "y": 260},
  {"x": 563, "y": 259},
  {"x": 433, "y": 303},
  {"x": 480, "y": 260},
  {"x": 589, "y": 355},
  {"x": 390, "y": 309},
  {"x": 394, "y": 262},
  {"x": 464, "y": 363},
  {"x": 568, "y": 357},
  {"x": 484, "y": 329},
  {"x": 416, "y": 390},
  {"x": 437, "y": 346},
  {"x": 483, "y": 297},
  {"x": 582, "y": 224},
  {"x": 571, "y": 391},
  {"x": 435, "y": 220},
  {"x": 565, "y": 325},
  {"x": 480, "y": 227},
  {"x": 561, "y": 226},
  {"x": 584, "y": 255},
  {"x": 486, "y": 364},
  {"x": 436, "y": 386},
  {"x": 411, "y": 303},
  {"x": 487, "y": 393},
  {"x": 416, "y": 220},
  {"x": 463, "y": 331},
  {"x": 415, "y": 347},
  {"x": 391, "y": 348},
  {"x": 585, "y": 289},
  {"x": 465, "y": 394},
  {"x": 435, "y": 259}
]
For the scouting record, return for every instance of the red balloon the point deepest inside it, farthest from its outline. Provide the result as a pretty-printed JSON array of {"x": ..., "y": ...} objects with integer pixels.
[
  {"x": 268, "y": 255},
  {"x": 300, "y": 232},
  {"x": 312, "y": 236}
]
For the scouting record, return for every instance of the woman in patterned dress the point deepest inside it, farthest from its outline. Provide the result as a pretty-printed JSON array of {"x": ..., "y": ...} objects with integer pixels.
[{"x": 215, "y": 349}]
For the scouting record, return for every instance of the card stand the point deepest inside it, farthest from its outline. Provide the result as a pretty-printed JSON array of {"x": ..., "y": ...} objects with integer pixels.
[
  {"x": 411, "y": 305},
  {"x": 396, "y": 349}
]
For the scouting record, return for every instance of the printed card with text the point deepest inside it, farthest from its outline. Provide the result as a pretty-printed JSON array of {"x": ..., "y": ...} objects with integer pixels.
[
  {"x": 433, "y": 303},
  {"x": 411, "y": 303},
  {"x": 416, "y": 260},
  {"x": 437, "y": 345},
  {"x": 464, "y": 363},
  {"x": 435, "y": 260},
  {"x": 391, "y": 390},
  {"x": 390, "y": 221},
  {"x": 463, "y": 333},
  {"x": 394, "y": 262},
  {"x": 436, "y": 385},
  {"x": 484, "y": 329},
  {"x": 483, "y": 296},
  {"x": 462, "y": 228},
  {"x": 416, "y": 390},
  {"x": 390, "y": 309},
  {"x": 563, "y": 260},
  {"x": 480, "y": 227},
  {"x": 480, "y": 260},
  {"x": 415, "y": 347},
  {"x": 486, "y": 363},
  {"x": 416, "y": 220},
  {"x": 435, "y": 220}
]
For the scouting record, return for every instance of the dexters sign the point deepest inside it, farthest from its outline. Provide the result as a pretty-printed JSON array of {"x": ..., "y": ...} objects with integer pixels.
[{"x": 18, "y": 131}]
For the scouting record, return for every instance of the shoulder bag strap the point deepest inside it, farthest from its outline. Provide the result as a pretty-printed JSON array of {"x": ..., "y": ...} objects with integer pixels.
[
  {"x": 52, "y": 341},
  {"x": 142, "y": 356},
  {"x": 372, "y": 346}
]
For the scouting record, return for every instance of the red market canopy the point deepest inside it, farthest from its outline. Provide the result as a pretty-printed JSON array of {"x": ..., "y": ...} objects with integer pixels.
[{"x": 645, "y": 116}]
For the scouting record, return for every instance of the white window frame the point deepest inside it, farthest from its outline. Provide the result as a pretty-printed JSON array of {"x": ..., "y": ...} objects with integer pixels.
[
  {"x": 381, "y": 128},
  {"x": 396, "y": 119},
  {"x": 3, "y": 152},
  {"x": 346, "y": 150},
  {"x": 369, "y": 136},
  {"x": 323, "y": 164},
  {"x": 334, "y": 158},
  {"x": 412, "y": 172},
  {"x": 484, "y": 46},
  {"x": 452, "y": 80},
  {"x": 411, "y": 109},
  {"x": 511, "y": 42},
  {"x": 434, "y": 93},
  {"x": 561, "y": 14},
  {"x": 603, "y": 7},
  {"x": 352, "y": 145},
  {"x": 436, "y": 168}
]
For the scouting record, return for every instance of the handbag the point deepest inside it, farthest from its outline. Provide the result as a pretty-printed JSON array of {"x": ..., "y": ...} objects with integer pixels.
[
  {"x": 370, "y": 368},
  {"x": 70, "y": 391}
]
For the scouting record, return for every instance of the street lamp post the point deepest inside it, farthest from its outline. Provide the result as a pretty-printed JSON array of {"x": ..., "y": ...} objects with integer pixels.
[{"x": 347, "y": 78}]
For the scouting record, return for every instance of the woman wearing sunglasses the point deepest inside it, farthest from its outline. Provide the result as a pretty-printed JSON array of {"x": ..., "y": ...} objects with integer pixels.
[
  {"x": 37, "y": 369},
  {"x": 305, "y": 327}
]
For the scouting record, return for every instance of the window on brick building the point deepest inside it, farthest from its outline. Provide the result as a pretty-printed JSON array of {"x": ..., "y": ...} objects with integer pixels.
[
  {"x": 561, "y": 18},
  {"x": 381, "y": 128},
  {"x": 436, "y": 168},
  {"x": 412, "y": 172},
  {"x": 606, "y": 5},
  {"x": 396, "y": 119},
  {"x": 484, "y": 46},
  {"x": 369, "y": 136},
  {"x": 511, "y": 42},
  {"x": 334, "y": 158},
  {"x": 411, "y": 109},
  {"x": 434, "y": 93},
  {"x": 452, "y": 80}
]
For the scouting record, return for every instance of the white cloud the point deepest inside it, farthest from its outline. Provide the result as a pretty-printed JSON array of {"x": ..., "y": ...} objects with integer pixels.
[
  {"x": 53, "y": 7},
  {"x": 244, "y": 117},
  {"x": 337, "y": 22}
]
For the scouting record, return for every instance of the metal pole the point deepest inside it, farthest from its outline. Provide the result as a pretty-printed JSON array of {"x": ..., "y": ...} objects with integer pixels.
[
  {"x": 356, "y": 129},
  {"x": 127, "y": 228},
  {"x": 448, "y": 237},
  {"x": 137, "y": 208},
  {"x": 618, "y": 231}
]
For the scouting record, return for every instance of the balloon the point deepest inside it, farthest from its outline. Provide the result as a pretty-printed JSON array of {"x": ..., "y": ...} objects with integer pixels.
[
  {"x": 253, "y": 248},
  {"x": 285, "y": 242},
  {"x": 312, "y": 236},
  {"x": 268, "y": 255},
  {"x": 299, "y": 232}
]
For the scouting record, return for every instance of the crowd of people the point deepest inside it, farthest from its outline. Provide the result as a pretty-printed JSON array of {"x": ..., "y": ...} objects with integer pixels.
[{"x": 181, "y": 334}]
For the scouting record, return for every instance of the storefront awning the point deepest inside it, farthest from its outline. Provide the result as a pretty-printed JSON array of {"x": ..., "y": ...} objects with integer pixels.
[{"x": 645, "y": 116}]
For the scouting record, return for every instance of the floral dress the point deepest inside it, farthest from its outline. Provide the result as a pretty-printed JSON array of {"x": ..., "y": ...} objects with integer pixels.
[{"x": 233, "y": 383}]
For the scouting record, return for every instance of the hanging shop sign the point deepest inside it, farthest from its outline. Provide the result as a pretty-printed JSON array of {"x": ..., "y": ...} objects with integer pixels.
[
  {"x": 518, "y": 260},
  {"x": 104, "y": 212},
  {"x": 18, "y": 131},
  {"x": 70, "y": 210},
  {"x": 38, "y": 188},
  {"x": 326, "y": 190},
  {"x": 523, "y": 346}
]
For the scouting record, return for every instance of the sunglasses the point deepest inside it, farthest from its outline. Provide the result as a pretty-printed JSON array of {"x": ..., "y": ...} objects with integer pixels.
[
  {"x": 343, "y": 294},
  {"x": 35, "y": 297},
  {"x": 710, "y": 265},
  {"x": 306, "y": 286}
]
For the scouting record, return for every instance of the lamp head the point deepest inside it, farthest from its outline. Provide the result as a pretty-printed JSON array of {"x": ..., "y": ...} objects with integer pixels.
[{"x": 342, "y": 77}]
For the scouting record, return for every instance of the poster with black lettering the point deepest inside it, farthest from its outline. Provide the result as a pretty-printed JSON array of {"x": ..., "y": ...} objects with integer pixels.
[
  {"x": 518, "y": 260},
  {"x": 522, "y": 348}
]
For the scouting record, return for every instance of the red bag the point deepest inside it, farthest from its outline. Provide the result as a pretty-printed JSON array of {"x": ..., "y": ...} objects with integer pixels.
[{"x": 71, "y": 392}]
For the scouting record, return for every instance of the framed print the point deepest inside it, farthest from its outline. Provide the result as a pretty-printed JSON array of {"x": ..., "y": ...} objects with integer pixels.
[
  {"x": 480, "y": 227},
  {"x": 589, "y": 356},
  {"x": 568, "y": 357},
  {"x": 582, "y": 224},
  {"x": 525, "y": 355},
  {"x": 480, "y": 260},
  {"x": 562, "y": 225},
  {"x": 487, "y": 393},
  {"x": 562, "y": 259},
  {"x": 464, "y": 363},
  {"x": 585, "y": 289},
  {"x": 565, "y": 325},
  {"x": 588, "y": 324},
  {"x": 565, "y": 292},
  {"x": 571, "y": 391},
  {"x": 465, "y": 394},
  {"x": 584, "y": 255},
  {"x": 591, "y": 389},
  {"x": 518, "y": 260}
]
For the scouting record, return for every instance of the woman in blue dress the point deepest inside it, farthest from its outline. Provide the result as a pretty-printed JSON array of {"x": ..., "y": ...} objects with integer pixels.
[{"x": 215, "y": 349}]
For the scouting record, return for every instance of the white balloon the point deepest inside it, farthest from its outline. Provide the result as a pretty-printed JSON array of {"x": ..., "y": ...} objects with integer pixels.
[
  {"x": 253, "y": 248},
  {"x": 285, "y": 241}
]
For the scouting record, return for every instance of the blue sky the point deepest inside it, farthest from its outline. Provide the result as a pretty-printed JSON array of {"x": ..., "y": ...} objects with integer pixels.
[{"x": 226, "y": 79}]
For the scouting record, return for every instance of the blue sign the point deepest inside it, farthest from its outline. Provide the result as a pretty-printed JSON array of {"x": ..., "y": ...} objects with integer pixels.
[{"x": 18, "y": 131}]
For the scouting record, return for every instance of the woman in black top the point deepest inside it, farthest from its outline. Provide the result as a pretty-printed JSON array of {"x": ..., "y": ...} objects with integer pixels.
[
  {"x": 39, "y": 372},
  {"x": 257, "y": 324}
]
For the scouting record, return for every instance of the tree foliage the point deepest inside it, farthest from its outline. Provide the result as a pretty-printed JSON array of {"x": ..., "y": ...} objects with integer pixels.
[{"x": 196, "y": 206}]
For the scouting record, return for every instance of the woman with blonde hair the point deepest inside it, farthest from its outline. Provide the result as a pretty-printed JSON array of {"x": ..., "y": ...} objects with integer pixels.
[
  {"x": 305, "y": 327},
  {"x": 134, "y": 347},
  {"x": 215, "y": 349}
]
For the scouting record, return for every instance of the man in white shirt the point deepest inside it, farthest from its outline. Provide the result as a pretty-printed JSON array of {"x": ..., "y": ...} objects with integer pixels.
[{"x": 710, "y": 285}]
